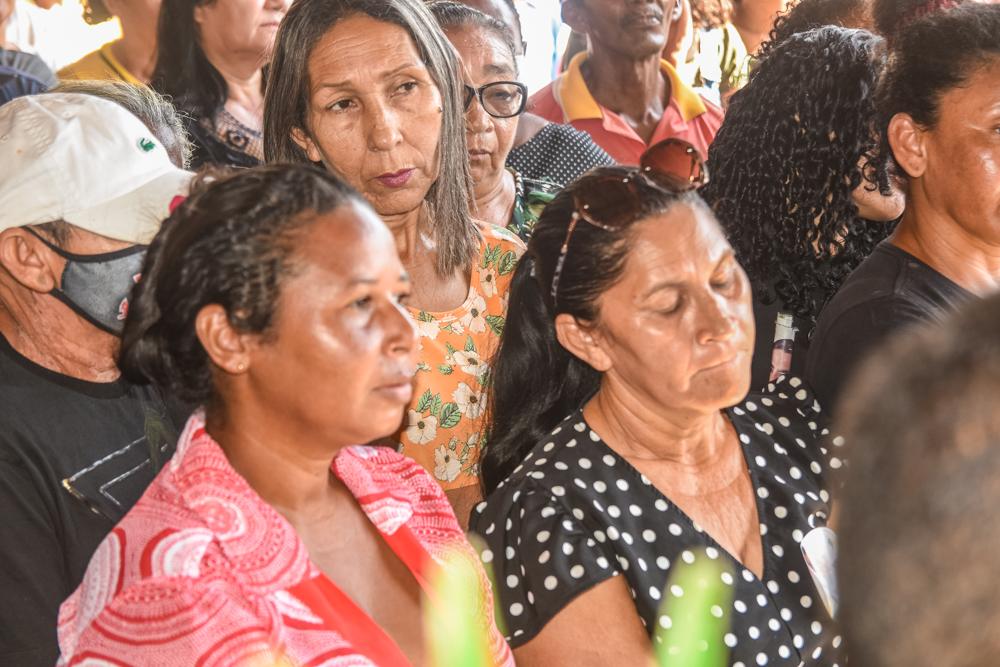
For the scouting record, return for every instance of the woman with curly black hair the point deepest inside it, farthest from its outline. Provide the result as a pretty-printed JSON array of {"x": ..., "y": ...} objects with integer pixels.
[
  {"x": 792, "y": 186},
  {"x": 891, "y": 16},
  {"x": 939, "y": 118},
  {"x": 810, "y": 14}
]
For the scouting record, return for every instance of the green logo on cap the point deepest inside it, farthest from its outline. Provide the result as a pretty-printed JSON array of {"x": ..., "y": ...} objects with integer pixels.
[{"x": 146, "y": 144}]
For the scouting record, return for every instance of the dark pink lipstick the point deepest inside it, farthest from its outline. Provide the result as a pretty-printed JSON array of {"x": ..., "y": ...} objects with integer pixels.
[{"x": 396, "y": 179}]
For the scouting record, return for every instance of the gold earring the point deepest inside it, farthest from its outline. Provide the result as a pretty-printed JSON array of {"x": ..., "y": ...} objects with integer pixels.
[{"x": 242, "y": 367}]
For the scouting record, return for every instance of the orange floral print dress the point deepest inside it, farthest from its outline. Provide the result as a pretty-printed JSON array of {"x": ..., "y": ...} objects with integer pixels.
[{"x": 443, "y": 427}]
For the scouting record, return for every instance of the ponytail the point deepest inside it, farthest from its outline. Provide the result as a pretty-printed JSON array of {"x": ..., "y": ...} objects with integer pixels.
[{"x": 529, "y": 356}]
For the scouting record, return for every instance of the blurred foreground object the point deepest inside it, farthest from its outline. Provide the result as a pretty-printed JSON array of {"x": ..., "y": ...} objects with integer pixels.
[{"x": 918, "y": 529}]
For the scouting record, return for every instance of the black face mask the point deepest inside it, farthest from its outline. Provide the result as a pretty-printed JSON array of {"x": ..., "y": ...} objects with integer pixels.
[{"x": 97, "y": 287}]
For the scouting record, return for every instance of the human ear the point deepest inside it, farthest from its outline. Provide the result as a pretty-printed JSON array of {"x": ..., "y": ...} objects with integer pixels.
[
  {"x": 22, "y": 255},
  {"x": 582, "y": 341},
  {"x": 228, "y": 348},
  {"x": 906, "y": 139},
  {"x": 306, "y": 143}
]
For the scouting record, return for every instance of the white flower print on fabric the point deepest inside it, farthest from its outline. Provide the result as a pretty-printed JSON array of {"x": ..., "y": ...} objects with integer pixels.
[
  {"x": 420, "y": 429},
  {"x": 469, "y": 401},
  {"x": 488, "y": 282},
  {"x": 475, "y": 319},
  {"x": 468, "y": 361},
  {"x": 447, "y": 465},
  {"x": 427, "y": 328}
]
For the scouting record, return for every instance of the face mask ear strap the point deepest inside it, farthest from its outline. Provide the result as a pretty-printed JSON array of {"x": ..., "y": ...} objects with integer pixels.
[
  {"x": 48, "y": 244},
  {"x": 88, "y": 259}
]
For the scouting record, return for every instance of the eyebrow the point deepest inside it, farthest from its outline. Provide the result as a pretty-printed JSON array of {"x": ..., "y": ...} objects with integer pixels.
[
  {"x": 384, "y": 75},
  {"x": 728, "y": 256},
  {"x": 353, "y": 282},
  {"x": 659, "y": 287},
  {"x": 494, "y": 68}
]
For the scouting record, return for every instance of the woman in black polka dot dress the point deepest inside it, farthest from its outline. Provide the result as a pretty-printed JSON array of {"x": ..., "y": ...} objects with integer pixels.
[{"x": 634, "y": 446}]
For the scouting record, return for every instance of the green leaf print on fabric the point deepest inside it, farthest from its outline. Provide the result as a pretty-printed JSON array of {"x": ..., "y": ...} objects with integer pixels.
[
  {"x": 496, "y": 323},
  {"x": 425, "y": 401},
  {"x": 436, "y": 406},
  {"x": 450, "y": 415},
  {"x": 507, "y": 263}
]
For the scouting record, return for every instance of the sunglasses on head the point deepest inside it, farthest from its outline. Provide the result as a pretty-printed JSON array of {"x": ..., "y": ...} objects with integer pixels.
[{"x": 672, "y": 165}]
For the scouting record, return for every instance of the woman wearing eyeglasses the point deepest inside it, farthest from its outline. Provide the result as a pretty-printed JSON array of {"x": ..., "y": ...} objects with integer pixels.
[
  {"x": 493, "y": 101},
  {"x": 371, "y": 90},
  {"x": 622, "y": 442}
]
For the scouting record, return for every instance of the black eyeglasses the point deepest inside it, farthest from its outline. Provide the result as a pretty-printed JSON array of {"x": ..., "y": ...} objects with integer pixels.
[
  {"x": 500, "y": 99},
  {"x": 672, "y": 165}
]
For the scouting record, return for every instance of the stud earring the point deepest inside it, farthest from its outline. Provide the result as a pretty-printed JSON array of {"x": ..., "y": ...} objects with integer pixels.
[{"x": 242, "y": 367}]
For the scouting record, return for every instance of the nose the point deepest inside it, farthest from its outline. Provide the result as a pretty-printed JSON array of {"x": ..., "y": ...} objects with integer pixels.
[
  {"x": 383, "y": 128},
  {"x": 401, "y": 332},
  {"x": 477, "y": 120},
  {"x": 714, "y": 322}
]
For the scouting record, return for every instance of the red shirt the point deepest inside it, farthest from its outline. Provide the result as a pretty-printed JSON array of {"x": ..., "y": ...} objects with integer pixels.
[
  {"x": 688, "y": 116},
  {"x": 203, "y": 571}
]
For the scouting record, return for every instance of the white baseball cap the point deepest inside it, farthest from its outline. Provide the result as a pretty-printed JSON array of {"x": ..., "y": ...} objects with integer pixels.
[{"x": 86, "y": 161}]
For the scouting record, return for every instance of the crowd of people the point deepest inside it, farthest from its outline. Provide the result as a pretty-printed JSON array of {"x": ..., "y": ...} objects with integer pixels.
[{"x": 303, "y": 302}]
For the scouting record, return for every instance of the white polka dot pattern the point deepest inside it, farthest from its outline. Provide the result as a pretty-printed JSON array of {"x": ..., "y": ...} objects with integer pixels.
[{"x": 597, "y": 517}]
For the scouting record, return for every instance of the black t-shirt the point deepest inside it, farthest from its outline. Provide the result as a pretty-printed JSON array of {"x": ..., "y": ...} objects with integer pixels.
[
  {"x": 890, "y": 290},
  {"x": 74, "y": 458},
  {"x": 558, "y": 154},
  {"x": 575, "y": 514}
]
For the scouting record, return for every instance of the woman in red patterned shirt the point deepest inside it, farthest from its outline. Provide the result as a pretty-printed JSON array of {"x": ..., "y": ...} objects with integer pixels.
[{"x": 273, "y": 299}]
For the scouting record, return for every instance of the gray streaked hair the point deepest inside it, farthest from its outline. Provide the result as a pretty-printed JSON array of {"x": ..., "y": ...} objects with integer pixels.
[
  {"x": 156, "y": 113},
  {"x": 455, "y": 235},
  {"x": 451, "y": 14}
]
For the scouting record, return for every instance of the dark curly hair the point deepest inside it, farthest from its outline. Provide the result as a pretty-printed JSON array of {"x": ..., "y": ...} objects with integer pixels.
[
  {"x": 785, "y": 163},
  {"x": 931, "y": 56},
  {"x": 891, "y": 16},
  {"x": 810, "y": 14},
  {"x": 232, "y": 243}
]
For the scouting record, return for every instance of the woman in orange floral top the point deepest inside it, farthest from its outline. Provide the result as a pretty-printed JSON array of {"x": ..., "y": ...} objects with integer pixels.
[
  {"x": 455, "y": 346},
  {"x": 371, "y": 89}
]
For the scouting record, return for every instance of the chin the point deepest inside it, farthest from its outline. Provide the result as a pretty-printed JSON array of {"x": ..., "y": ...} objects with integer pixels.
[{"x": 399, "y": 202}]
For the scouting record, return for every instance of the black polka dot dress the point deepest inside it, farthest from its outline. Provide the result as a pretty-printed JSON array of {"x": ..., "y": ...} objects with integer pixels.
[
  {"x": 575, "y": 513},
  {"x": 558, "y": 154}
]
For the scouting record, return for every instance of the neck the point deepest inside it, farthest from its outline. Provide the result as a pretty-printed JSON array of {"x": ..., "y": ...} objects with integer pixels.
[
  {"x": 275, "y": 459},
  {"x": 949, "y": 249},
  {"x": 243, "y": 81},
  {"x": 495, "y": 198},
  {"x": 627, "y": 86},
  {"x": 47, "y": 333},
  {"x": 407, "y": 229},
  {"x": 136, "y": 50},
  {"x": 687, "y": 440}
]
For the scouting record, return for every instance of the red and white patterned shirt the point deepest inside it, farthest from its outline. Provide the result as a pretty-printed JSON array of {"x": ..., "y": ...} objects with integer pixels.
[{"x": 203, "y": 571}]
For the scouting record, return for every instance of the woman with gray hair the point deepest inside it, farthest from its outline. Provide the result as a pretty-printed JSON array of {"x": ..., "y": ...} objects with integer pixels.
[{"x": 371, "y": 90}]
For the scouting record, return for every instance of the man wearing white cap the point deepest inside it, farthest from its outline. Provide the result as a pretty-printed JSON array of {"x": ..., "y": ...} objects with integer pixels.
[{"x": 84, "y": 186}]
